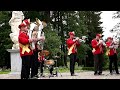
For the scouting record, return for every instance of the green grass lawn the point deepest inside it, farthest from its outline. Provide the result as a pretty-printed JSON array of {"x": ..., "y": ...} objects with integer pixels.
[
  {"x": 5, "y": 71},
  {"x": 61, "y": 69},
  {"x": 64, "y": 69}
]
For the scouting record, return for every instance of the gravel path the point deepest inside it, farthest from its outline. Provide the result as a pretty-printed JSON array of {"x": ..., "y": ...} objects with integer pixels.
[{"x": 80, "y": 75}]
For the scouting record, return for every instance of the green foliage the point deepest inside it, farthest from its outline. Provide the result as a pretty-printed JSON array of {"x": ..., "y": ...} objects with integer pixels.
[
  {"x": 105, "y": 61},
  {"x": 82, "y": 22},
  {"x": 52, "y": 42},
  {"x": 118, "y": 55},
  {"x": 5, "y": 42},
  {"x": 82, "y": 51}
]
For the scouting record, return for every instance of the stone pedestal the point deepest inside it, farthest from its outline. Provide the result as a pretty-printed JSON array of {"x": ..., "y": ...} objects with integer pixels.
[{"x": 15, "y": 59}]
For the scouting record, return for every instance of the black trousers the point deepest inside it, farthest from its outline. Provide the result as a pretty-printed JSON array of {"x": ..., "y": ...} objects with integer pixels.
[
  {"x": 98, "y": 61},
  {"x": 113, "y": 60},
  {"x": 35, "y": 63},
  {"x": 51, "y": 69},
  {"x": 41, "y": 64},
  {"x": 27, "y": 63},
  {"x": 73, "y": 57}
]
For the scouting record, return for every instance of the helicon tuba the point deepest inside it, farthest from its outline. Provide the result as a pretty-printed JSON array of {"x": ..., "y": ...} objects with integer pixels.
[
  {"x": 40, "y": 33},
  {"x": 32, "y": 34},
  {"x": 36, "y": 32}
]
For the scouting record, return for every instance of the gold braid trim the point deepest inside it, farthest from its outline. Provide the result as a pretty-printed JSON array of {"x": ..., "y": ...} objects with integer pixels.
[
  {"x": 108, "y": 51},
  {"x": 70, "y": 49},
  {"x": 24, "y": 48}
]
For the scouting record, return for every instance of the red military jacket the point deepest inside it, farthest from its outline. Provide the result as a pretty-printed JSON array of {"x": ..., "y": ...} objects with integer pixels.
[
  {"x": 97, "y": 49},
  {"x": 70, "y": 42},
  {"x": 112, "y": 51},
  {"x": 23, "y": 39}
]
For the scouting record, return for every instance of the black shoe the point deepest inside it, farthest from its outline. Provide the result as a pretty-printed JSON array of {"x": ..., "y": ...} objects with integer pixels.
[
  {"x": 111, "y": 73},
  {"x": 42, "y": 75},
  {"x": 51, "y": 75},
  {"x": 100, "y": 73},
  {"x": 117, "y": 73},
  {"x": 24, "y": 78},
  {"x": 95, "y": 73},
  {"x": 34, "y": 77},
  {"x": 73, "y": 75}
]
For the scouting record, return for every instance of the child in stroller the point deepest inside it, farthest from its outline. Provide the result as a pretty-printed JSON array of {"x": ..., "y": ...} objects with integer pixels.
[{"x": 42, "y": 62}]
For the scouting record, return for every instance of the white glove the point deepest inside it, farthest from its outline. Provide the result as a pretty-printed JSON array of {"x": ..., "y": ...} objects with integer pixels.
[
  {"x": 111, "y": 47},
  {"x": 41, "y": 38},
  {"x": 115, "y": 46},
  {"x": 74, "y": 40},
  {"x": 77, "y": 38},
  {"x": 100, "y": 41},
  {"x": 104, "y": 44}
]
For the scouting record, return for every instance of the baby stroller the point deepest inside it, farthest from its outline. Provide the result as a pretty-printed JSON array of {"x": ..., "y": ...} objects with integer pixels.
[{"x": 50, "y": 64}]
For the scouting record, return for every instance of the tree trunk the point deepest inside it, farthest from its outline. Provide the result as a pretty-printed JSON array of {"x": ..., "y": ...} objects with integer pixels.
[{"x": 63, "y": 39}]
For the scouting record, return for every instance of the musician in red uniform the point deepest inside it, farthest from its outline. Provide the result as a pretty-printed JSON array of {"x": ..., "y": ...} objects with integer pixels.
[
  {"x": 25, "y": 51},
  {"x": 98, "y": 45},
  {"x": 34, "y": 62},
  {"x": 72, "y": 45},
  {"x": 35, "y": 53},
  {"x": 112, "y": 55}
]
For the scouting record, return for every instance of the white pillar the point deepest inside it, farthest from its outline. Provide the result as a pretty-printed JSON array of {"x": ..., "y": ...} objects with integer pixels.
[{"x": 16, "y": 61}]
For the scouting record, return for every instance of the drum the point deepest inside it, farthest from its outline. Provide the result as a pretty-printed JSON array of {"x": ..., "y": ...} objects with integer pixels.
[{"x": 49, "y": 62}]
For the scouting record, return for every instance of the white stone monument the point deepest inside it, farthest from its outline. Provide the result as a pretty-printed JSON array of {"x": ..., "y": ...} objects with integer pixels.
[
  {"x": 16, "y": 61},
  {"x": 15, "y": 21}
]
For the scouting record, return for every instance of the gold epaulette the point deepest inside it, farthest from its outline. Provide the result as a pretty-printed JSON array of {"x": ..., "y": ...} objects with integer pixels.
[{"x": 24, "y": 48}]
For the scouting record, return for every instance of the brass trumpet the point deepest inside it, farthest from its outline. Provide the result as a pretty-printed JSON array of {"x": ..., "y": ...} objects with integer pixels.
[{"x": 83, "y": 39}]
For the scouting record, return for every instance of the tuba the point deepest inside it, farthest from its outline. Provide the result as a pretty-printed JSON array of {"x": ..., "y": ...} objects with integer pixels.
[
  {"x": 32, "y": 34},
  {"x": 36, "y": 32},
  {"x": 40, "y": 33}
]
